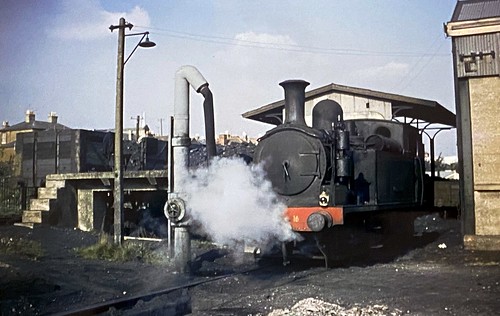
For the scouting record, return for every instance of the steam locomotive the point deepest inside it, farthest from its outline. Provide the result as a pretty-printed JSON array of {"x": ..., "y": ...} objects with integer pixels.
[{"x": 340, "y": 171}]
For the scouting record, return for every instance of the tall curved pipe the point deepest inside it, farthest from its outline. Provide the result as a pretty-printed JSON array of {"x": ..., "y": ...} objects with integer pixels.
[
  {"x": 184, "y": 77},
  {"x": 208, "y": 109}
]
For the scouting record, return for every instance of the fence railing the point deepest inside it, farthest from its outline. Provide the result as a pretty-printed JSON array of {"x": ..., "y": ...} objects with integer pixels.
[{"x": 14, "y": 197}]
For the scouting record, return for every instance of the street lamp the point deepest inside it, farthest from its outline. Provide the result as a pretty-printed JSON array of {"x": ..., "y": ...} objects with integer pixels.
[{"x": 118, "y": 168}]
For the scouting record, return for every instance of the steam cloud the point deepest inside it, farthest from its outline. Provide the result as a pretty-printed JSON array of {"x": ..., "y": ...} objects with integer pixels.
[{"x": 233, "y": 203}]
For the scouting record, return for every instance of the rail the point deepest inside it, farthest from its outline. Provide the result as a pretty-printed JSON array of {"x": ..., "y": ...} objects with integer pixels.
[{"x": 122, "y": 304}]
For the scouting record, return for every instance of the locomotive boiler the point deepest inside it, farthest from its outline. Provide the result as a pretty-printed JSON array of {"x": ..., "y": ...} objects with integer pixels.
[{"x": 339, "y": 170}]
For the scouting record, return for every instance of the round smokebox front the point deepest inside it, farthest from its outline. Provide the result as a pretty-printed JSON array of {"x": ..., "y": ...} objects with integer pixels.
[{"x": 292, "y": 160}]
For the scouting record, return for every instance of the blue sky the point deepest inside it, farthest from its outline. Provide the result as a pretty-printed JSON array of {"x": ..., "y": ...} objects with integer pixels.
[{"x": 59, "y": 56}]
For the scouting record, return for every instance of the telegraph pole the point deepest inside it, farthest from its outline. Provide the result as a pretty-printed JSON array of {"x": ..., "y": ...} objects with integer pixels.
[
  {"x": 161, "y": 126},
  {"x": 118, "y": 168}
]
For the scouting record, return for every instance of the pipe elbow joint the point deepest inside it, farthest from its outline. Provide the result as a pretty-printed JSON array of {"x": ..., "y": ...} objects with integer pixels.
[
  {"x": 193, "y": 76},
  {"x": 205, "y": 91}
]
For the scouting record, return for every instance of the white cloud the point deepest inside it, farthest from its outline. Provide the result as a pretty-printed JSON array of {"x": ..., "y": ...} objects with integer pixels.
[
  {"x": 264, "y": 38},
  {"x": 246, "y": 76},
  {"x": 72, "y": 25},
  {"x": 389, "y": 70}
]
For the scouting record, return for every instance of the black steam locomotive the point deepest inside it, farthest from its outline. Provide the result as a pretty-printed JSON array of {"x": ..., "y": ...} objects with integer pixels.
[{"x": 339, "y": 170}]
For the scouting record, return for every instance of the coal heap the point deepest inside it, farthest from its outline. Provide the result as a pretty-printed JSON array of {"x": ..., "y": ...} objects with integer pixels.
[
  {"x": 152, "y": 155},
  {"x": 198, "y": 152}
]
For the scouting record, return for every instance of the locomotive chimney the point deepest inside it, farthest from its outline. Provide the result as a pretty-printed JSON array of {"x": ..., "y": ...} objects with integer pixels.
[{"x": 295, "y": 95}]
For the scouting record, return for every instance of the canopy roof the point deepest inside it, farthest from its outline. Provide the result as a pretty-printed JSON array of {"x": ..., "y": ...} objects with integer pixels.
[{"x": 411, "y": 110}]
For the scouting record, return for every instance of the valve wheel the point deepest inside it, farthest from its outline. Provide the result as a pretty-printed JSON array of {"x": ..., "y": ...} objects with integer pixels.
[{"x": 175, "y": 210}]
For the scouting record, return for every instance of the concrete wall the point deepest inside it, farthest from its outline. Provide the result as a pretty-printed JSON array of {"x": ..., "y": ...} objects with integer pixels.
[
  {"x": 93, "y": 210},
  {"x": 485, "y": 126},
  {"x": 86, "y": 210}
]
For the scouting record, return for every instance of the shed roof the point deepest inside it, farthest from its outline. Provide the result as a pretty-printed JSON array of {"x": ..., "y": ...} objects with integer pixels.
[{"x": 402, "y": 106}]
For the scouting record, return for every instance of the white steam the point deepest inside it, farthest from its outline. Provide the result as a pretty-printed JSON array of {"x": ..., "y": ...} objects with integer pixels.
[{"x": 232, "y": 202}]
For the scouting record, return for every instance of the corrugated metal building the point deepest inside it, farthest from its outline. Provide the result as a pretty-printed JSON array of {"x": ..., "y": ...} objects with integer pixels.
[{"x": 475, "y": 32}]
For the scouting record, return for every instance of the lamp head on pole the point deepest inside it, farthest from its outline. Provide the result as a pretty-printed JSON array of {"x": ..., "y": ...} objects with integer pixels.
[{"x": 147, "y": 43}]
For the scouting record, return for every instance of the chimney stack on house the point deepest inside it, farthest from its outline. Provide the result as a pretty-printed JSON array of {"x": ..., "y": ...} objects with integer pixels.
[
  {"x": 30, "y": 116},
  {"x": 5, "y": 124},
  {"x": 53, "y": 118}
]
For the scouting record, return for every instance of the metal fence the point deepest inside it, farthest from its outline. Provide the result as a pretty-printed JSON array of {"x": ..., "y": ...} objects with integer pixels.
[{"x": 14, "y": 197}]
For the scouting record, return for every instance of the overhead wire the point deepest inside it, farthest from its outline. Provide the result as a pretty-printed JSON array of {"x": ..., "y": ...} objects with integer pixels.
[
  {"x": 424, "y": 58},
  {"x": 281, "y": 46},
  {"x": 408, "y": 80}
]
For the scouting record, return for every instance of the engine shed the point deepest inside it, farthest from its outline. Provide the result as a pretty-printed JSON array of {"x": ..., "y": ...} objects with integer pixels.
[{"x": 362, "y": 103}]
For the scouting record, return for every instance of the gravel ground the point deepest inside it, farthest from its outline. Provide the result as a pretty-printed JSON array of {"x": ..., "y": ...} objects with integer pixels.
[{"x": 434, "y": 276}]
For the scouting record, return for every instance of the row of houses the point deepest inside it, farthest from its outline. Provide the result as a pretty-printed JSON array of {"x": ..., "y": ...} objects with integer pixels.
[{"x": 8, "y": 133}]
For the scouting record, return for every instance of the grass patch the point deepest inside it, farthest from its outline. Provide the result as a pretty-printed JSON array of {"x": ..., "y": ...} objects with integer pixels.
[
  {"x": 106, "y": 249},
  {"x": 20, "y": 246}
]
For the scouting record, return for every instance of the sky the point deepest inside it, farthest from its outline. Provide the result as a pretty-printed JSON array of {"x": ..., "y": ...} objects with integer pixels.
[{"x": 60, "y": 56}]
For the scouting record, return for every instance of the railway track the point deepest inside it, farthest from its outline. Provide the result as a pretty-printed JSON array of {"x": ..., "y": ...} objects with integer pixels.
[{"x": 177, "y": 300}]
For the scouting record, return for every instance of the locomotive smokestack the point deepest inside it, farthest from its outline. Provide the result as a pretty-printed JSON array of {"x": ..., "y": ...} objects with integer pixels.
[{"x": 295, "y": 95}]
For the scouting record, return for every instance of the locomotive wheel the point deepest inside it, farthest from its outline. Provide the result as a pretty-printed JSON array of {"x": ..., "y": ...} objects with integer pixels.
[
  {"x": 398, "y": 230},
  {"x": 338, "y": 246},
  {"x": 350, "y": 244}
]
